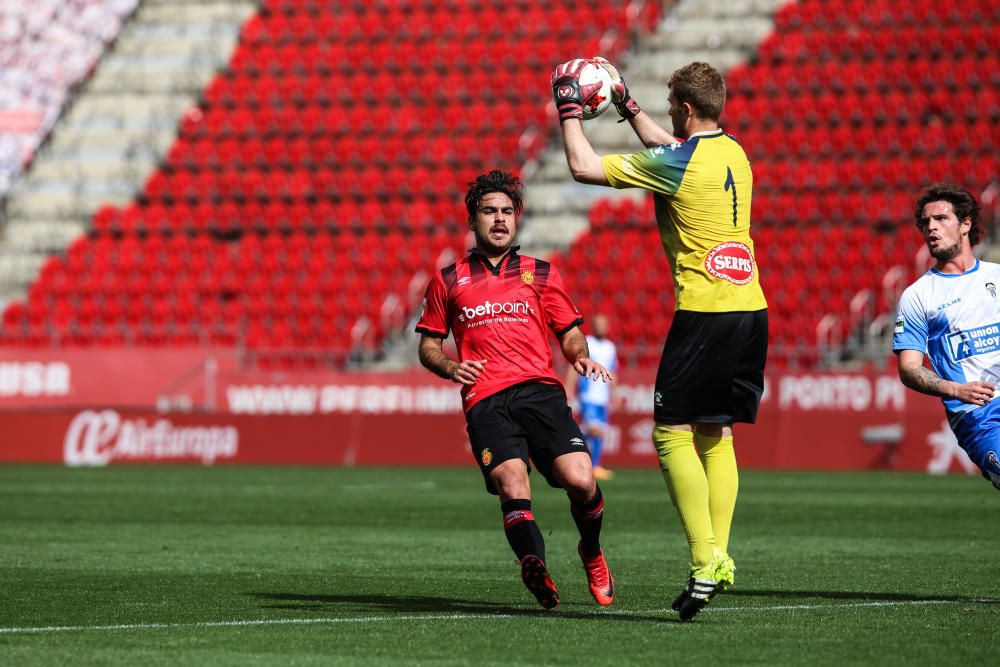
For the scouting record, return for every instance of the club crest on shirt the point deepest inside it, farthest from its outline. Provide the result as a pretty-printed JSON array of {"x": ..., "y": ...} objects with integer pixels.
[
  {"x": 992, "y": 289},
  {"x": 527, "y": 277},
  {"x": 486, "y": 456}
]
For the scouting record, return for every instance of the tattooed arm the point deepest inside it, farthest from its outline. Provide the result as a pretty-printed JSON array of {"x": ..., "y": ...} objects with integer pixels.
[{"x": 913, "y": 374}]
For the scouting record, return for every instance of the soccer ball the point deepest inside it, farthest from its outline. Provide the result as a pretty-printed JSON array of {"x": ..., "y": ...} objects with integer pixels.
[{"x": 595, "y": 89}]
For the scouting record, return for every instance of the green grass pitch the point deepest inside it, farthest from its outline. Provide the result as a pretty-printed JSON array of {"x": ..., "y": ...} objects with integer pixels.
[{"x": 327, "y": 566}]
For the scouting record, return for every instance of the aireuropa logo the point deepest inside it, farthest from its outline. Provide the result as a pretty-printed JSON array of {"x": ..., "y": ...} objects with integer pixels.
[
  {"x": 34, "y": 378},
  {"x": 98, "y": 438},
  {"x": 495, "y": 309},
  {"x": 731, "y": 261}
]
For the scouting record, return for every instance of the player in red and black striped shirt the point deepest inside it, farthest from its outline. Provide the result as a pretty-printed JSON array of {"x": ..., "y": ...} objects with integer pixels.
[{"x": 500, "y": 306}]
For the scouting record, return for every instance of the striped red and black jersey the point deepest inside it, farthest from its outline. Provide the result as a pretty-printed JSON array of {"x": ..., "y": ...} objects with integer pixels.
[{"x": 502, "y": 314}]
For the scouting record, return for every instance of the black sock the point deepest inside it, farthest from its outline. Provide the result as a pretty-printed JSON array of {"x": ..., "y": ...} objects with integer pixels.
[
  {"x": 588, "y": 517},
  {"x": 521, "y": 530}
]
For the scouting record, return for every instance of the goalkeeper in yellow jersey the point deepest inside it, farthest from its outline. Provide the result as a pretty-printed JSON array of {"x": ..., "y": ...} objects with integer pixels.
[{"x": 711, "y": 374}]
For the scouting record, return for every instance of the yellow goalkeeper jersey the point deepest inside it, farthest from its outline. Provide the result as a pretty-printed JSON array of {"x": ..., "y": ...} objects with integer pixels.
[{"x": 702, "y": 189}]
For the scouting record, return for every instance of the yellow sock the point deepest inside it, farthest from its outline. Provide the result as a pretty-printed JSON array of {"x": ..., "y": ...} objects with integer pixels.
[
  {"x": 719, "y": 457},
  {"x": 688, "y": 489}
]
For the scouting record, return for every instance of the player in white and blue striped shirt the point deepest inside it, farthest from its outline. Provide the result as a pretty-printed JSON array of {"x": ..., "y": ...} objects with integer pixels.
[
  {"x": 952, "y": 314},
  {"x": 595, "y": 397}
]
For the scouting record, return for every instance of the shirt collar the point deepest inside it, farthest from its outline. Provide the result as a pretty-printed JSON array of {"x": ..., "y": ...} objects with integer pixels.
[
  {"x": 476, "y": 251},
  {"x": 506, "y": 259},
  {"x": 707, "y": 133}
]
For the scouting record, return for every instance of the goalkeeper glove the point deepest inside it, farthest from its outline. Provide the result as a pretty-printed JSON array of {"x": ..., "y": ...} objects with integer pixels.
[
  {"x": 565, "y": 82},
  {"x": 627, "y": 106}
]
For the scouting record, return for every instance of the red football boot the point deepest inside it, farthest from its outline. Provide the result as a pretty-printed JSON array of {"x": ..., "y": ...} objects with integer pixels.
[
  {"x": 602, "y": 584},
  {"x": 537, "y": 579}
]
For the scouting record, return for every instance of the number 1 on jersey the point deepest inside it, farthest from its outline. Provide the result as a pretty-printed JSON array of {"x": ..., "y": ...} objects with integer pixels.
[{"x": 730, "y": 183}]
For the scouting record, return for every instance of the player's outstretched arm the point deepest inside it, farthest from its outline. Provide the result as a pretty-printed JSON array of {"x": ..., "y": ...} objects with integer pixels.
[
  {"x": 584, "y": 163},
  {"x": 648, "y": 130},
  {"x": 434, "y": 359},
  {"x": 575, "y": 349},
  {"x": 913, "y": 374}
]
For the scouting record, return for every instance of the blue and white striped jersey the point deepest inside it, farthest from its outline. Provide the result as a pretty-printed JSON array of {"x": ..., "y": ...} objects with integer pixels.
[
  {"x": 955, "y": 320},
  {"x": 604, "y": 352}
]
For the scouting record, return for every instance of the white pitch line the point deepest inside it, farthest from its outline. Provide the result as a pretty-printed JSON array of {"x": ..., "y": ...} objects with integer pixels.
[
  {"x": 227, "y": 624},
  {"x": 884, "y": 603},
  {"x": 462, "y": 617}
]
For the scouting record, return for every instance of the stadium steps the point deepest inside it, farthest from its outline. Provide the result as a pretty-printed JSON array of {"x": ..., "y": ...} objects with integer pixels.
[
  {"x": 120, "y": 124},
  {"x": 723, "y": 33}
]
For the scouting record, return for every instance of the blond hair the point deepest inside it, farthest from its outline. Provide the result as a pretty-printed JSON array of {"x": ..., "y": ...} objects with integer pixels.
[{"x": 701, "y": 86}]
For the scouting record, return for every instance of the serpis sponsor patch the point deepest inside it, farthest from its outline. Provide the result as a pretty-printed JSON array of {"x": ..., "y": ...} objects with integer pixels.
[{"x": 731, "y": 261}]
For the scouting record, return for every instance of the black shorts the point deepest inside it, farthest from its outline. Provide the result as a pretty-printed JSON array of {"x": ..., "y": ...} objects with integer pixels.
[
  {"x": 712, "y": 368},
  {"x": 526, "y": 420}
]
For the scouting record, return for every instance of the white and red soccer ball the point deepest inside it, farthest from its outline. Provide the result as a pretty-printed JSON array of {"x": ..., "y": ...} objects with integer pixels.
[{"x": 595, "y": 90}]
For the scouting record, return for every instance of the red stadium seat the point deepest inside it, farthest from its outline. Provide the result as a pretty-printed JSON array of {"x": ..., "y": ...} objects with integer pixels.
[{"x": 285, "y": 183}]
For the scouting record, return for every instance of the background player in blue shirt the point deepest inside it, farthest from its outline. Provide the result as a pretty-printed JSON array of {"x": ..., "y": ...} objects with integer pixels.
[
  {"x": 952, "y": 314},
  {"x": 595, "y": 397}
]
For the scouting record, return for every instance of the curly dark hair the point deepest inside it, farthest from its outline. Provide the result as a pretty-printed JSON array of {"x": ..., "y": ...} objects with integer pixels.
[
  {"x": 495, "y": 181},
  {"x": 962, "y": 201}
]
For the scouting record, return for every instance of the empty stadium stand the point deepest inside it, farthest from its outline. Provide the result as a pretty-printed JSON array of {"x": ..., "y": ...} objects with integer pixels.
[
  {"x": 46, "y": 48},
  {"x": 319, "y": 180},
  {"x": 847, "y": 110},
  {"x": 117, "y": 124}
]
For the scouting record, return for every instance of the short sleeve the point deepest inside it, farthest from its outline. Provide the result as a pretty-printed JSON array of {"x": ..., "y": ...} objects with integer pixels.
[
  {"x": 561, "y": 314},
  {"x": 660, "y": 169},
  {"x": 910, "y": 332},
  {"x": 434, "y": 314}
]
